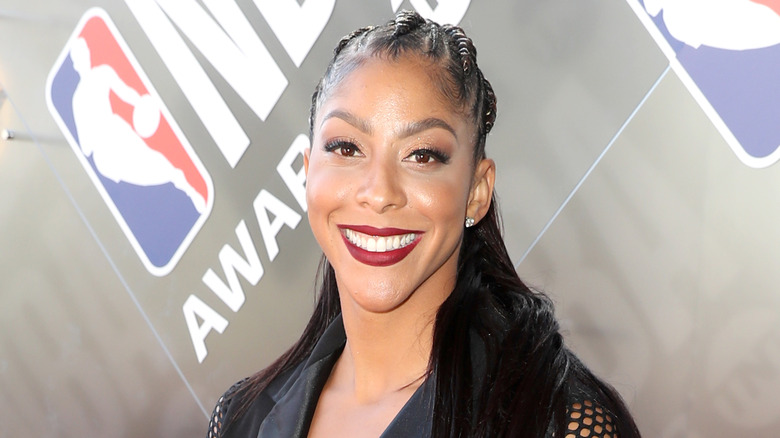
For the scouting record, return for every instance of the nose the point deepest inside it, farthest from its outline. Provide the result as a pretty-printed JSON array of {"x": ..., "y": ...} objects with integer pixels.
[{"x": 381, "y": 188}]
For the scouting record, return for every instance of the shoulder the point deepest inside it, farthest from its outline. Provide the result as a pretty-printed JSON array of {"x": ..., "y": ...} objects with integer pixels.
[
  {"x": 241, "y": 410},
  {"x": 589, "y": 418},
  {"x": 220, "y": 415},
  {"x": 595, "y": 409}
]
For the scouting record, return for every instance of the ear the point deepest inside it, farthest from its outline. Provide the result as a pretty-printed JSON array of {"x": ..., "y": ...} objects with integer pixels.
[
  {"x": 306, "y": 153},
  {"x": 481, "y": 189}
]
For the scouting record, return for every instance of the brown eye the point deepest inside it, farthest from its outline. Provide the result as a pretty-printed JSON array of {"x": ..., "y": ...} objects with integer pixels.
[
  {"x": 343, "y": 148},
  {"x": 427, "y": 156},
  {"x": 347, "y": 150},
  {"x": 422, "y": 157}
]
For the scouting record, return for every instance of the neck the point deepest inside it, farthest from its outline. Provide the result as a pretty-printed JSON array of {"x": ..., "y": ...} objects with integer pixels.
[{"x": 385, "y": 352}]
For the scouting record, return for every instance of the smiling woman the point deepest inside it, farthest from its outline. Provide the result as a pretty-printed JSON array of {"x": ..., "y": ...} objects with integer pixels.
[
  {"x": 400, "y": 159},
  {"x": 422, "y": 327}
]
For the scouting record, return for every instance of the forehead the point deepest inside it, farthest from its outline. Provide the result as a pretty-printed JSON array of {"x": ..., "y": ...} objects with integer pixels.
[{"x": 407, "y": 86}]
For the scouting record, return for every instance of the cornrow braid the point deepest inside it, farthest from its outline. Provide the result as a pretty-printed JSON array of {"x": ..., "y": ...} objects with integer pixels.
[
  {"x": 313, "y": 108},
  {"x": 465, "y": 48},
  {"x": 484, "y": 97},
  {"x": 348, "y": 38},
  {"x": 488, "y": 105},
  {"x": 405, "y": 22},
  {"x": 344, "y": 42}
]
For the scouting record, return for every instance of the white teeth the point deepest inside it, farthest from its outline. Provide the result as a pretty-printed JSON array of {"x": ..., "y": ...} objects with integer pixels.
[{"x": 379, "y": 243}]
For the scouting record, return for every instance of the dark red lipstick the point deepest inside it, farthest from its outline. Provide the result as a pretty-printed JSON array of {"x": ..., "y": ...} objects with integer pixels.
[{"x": 386, "y": 258}]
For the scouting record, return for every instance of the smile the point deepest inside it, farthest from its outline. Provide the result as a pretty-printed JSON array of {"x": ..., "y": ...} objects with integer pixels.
[
  {"x": 379, "y": 246},
  {"x": 379, "y": 243}
]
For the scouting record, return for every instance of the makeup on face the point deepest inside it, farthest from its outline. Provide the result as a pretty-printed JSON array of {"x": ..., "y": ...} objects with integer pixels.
[
  {"x": 379, "y": 246},
  {"x": 388, "y": 183}
]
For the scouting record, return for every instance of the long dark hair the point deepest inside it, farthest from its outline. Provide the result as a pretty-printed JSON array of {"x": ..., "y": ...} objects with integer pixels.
[{"x": 524, "y": 386}]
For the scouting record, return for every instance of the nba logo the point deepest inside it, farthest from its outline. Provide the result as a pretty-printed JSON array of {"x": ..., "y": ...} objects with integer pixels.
[
  {"x": 133, "y": 150},
  {"x": 727, "y": 53}
]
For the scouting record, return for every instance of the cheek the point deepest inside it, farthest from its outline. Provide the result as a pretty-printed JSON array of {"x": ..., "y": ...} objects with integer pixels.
[
  {"x": 326, "y": 191},
  {"x": 442, "y": 199}
]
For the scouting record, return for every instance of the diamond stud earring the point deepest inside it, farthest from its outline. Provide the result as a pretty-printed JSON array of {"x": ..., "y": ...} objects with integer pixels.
[{"x": 469, "y": 222}]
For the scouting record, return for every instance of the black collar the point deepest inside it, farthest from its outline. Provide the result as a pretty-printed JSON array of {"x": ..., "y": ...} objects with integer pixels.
[{"x": 296, "y": 397}]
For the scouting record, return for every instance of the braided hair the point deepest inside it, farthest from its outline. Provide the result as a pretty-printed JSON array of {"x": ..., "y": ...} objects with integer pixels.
[
  {"x": 522, "y": 387},
  {"x": 409, "y": 34}
]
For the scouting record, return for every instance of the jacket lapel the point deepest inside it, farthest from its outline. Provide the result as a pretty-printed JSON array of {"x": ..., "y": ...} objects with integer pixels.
[{"x": 297, "y": 399}]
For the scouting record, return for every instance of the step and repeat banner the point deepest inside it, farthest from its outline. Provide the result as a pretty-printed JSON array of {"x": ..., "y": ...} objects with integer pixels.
[{"x": 155, "y": 246}]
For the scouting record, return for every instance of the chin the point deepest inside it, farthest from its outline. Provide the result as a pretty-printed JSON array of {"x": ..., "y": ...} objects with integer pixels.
[{"x": 374, "y": 297}]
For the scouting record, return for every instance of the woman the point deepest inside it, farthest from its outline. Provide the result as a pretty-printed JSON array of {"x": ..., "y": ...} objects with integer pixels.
[{"x": 422, "y": 327}]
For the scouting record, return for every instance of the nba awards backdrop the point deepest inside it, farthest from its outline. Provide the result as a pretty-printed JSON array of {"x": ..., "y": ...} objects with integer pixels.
[{"x": 155, "y": 246}]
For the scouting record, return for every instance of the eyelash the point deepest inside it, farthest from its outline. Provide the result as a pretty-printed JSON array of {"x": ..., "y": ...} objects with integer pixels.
[
  {"x": 438, "y": 155},
  {"x": 333, "y": 145}
]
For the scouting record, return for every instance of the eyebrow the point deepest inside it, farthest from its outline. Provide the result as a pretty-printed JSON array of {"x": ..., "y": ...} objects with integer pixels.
[
  {"x": 350, "y": 118},
  {"x": 405, "y": 132},
  {"x": 424, "y": 125}
]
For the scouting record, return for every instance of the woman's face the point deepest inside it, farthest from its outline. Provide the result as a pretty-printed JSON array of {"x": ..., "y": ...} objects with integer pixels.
[{"x": 390, "y": 181}]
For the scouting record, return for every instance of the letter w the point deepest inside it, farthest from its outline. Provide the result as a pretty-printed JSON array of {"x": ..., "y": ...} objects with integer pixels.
[{"x": 233, "y": 264}]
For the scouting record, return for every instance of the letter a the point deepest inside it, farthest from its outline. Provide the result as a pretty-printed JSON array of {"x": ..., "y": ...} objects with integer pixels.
[
  {"x": 194, "y": 308},
  {"x": 233, "y": 264},
  {"x": 264, "y": 203}
]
